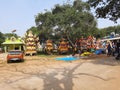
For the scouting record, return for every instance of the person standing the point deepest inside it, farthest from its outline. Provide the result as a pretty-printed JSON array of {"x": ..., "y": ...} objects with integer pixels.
[
  {"x": 113, "y": 48},
  {"x": 118, "y": 50},
  {"x": 109, "y": 48}
]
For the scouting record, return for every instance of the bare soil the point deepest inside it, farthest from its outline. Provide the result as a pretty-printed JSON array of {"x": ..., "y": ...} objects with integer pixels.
[{"x": 97, "y": 72}]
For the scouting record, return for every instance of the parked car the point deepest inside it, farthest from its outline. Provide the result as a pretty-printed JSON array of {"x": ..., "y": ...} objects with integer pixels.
[{"x": 15, "y": 55}]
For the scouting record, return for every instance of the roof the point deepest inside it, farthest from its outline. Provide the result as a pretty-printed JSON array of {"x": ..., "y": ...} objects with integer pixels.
[
  {"x": 115, "y": 38},
  {"x": 13, "y": 40},
  {"x": 6, "y": 43}
]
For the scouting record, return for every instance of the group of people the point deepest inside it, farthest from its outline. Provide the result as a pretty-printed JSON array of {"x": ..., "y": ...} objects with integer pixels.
[
  {"x": 89, "y": 44},
  {"x": 113, "y": 47}
]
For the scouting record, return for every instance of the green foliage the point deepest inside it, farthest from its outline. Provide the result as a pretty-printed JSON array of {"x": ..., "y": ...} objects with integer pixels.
[
  {"x": 34, "y": 30},
  {"x": 9, "y": 35},
  {"x": 6, "y": 36},
  {"x": 73, "y": 20},
  {"x": 2, "y": 39},
  {"x": 106, "y": 8},
  {"x": 107, "y": 31}
]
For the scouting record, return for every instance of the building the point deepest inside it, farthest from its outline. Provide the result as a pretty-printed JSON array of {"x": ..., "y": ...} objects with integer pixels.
[{"x": 13, "y": 44}]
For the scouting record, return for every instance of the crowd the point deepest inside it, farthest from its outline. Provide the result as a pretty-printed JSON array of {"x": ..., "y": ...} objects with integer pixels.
[
  {"x": 113, "y": 48},
  {"x": 89, "y": 44}
]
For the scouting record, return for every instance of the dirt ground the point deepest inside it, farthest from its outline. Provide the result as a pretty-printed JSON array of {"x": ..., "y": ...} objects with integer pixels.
[{"x": 45, "y": 73}]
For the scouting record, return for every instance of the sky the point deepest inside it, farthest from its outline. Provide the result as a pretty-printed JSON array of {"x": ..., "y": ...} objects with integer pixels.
[{"x": 20, "y": 15}]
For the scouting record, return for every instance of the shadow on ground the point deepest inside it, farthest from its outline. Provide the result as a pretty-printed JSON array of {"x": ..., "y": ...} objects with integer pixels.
[{"x": 51, "y": 82}]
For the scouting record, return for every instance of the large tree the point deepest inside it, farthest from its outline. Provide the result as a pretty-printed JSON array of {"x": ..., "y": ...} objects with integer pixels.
[
  {"x": 106, "y": 8},
  {"x": 74, "y": 18},
  {"x": 70, "y": 19}
]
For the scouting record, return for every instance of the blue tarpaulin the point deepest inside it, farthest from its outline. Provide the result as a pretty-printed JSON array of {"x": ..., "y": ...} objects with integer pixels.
[
  {"x": 69, "y": 58},
  {"x": 99, "y": 51}
]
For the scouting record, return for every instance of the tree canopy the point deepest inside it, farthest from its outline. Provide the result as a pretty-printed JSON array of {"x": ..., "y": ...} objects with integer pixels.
[
  {"x": 9, "y": 35},
  {"x": 73, "y": 19},
  {"x": 108, "y": 30},
  {"x": 106, "y": 8}
]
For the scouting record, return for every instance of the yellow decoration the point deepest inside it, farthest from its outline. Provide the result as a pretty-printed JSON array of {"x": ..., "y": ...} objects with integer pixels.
[{"x": 85, "y": 54}]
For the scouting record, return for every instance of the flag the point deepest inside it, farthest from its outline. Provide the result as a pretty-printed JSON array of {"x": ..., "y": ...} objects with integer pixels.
[{"x": 13, "y": 31}]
